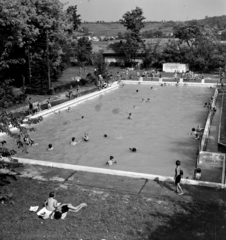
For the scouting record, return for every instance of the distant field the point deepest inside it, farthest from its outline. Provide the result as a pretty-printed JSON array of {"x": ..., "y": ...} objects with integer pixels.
[
  {"x": 112, "y": 29},
  {"x": 102, "y": 45}
]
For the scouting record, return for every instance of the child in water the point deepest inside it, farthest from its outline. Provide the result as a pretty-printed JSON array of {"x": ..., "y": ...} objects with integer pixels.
[
  {"x": 86, "y": 137},
  {"x": 130, "y": 117},
  {"x": 73, "y": 142},
  {"x": 50, "y": 147},
  {"x": 111, "y": 161}
]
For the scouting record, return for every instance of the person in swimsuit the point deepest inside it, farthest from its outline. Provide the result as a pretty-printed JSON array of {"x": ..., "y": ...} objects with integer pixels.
[
  {"x": 130, "y": 116},
  {"x": 50, "y": 147},
  {"x": 86, "y": 137},
  {"x": 111, "y": 161},
  {"x": 73, "y": 141},
  {"x": 63, "y": 209},
  {"x": 177, "y": 178},
  {"x": 133, "y": 149},
  {"x": 30, "y": 106},
  {"x": 194, "y": 133},
  {"x": 50, "y": 206},
  {"x": 48, "y": 103}
]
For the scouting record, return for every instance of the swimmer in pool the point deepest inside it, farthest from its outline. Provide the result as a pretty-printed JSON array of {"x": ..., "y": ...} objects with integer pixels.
[
  {"x": 105, "y": 135},
  {"x": 142, "y": 100},
  {"x": 68, "y": 109},
  {"x": 130, "y": 117},
  {"x": 194, "y": 133},
  {"x": 29, "y": 142},
  {"x": 148, "y": 100},
  {"x": 137, "y": 90},
  {"x": 32, "y": 143},
  {"x": 111, "y": 161},
  {"x": 86, "y": 137},
  {"x": 50, "y": 147},
  {"x": 133, "y": 149},
  {"x": 3, "y": 142},
  {"x": 73, "y": 141},
  {"x": 57, "y": 112},
  {"x": 199, "y": 129}
]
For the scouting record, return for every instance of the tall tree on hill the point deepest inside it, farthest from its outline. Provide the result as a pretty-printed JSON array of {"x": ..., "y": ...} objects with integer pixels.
[
  {"x": 84, "y": 51},
  {"x": 134, "y": 22},
  {"x": 74, "y": 17}
]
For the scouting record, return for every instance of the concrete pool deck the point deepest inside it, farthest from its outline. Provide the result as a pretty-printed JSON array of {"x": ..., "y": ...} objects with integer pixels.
[{"x": 123, "y": 185}]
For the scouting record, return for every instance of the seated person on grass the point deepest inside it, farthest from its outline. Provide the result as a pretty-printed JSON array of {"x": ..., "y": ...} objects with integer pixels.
[
  {"x": 50, "y": 206},
  {"x": 63, "y": 209}
]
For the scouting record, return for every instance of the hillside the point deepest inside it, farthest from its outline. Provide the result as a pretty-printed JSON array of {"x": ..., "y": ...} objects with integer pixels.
[{"x": 112, "y": 28}]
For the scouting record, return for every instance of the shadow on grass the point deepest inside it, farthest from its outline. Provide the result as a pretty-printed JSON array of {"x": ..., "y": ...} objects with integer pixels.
[
  {"x": 190, "y": 222},
  {"x": 163, "y": 184},
  {"x": 198, "y": 215}
]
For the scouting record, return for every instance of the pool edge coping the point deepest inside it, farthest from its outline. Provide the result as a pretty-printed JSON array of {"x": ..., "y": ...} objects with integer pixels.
[{"x": 118, "y": 173}]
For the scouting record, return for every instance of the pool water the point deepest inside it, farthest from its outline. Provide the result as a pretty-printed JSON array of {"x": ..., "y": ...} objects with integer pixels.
[{"x": 158, "y": 129}]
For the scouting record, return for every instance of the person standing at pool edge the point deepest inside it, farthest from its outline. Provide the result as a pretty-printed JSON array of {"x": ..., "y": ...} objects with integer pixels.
[
  {"x": 30, "y": 107},
  {"x": 178, "y": 175}
]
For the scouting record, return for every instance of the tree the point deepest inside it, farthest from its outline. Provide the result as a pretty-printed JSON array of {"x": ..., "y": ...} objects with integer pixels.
[
  {"x": 152, "y": 55},
  {"x": 24, "y": 26},
  {"x": 74, "y": 17},
  {"x": 134, "y": 22},
  {"x": 189, "y": 33},
  {"x": 84, "y": 51},
  {"x": 131, "y": 47},
  {"x": 99, "y": 63},
  {"x": 223, "y": 36},
  {"x": 120, "y": 35}
]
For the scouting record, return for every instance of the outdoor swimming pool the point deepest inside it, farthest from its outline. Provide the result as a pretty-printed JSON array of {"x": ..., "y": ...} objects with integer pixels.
[{"x": 158, "y": 129}]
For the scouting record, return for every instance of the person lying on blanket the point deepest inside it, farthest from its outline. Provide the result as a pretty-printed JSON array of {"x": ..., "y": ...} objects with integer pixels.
[{"x": 63, "y": 209}]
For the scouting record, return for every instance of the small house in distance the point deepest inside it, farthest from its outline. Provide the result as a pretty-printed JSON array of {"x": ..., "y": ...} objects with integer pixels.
[
  {"x": 172, "y": 67},
  {"x": 111, "y": 56}
]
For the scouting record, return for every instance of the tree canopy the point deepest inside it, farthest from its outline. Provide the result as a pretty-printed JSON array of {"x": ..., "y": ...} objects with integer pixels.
[
  {"x": 26, "y": 26},
  {"x": 134, "y": 22}
]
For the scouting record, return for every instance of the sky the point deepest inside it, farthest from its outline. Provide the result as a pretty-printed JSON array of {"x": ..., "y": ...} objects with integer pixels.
[{"x": 154, "y": 10}]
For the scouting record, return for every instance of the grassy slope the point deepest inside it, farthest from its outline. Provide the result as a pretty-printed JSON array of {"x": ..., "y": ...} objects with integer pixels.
[{"x": 109, "y": 216}]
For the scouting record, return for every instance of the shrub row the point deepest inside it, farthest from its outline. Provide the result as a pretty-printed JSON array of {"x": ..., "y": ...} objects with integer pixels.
[{"x": 57, "y": 89}]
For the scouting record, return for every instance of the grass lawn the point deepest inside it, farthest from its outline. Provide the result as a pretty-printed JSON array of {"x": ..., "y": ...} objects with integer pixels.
[{"x": 109, "y": 215}]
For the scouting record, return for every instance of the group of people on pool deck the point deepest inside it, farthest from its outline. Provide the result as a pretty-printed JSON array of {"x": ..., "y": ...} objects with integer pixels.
[{"x": 55, "y": 210}]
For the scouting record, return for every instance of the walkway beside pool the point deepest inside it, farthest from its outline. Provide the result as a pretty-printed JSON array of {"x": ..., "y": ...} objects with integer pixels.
[{"x": 123, "y": 185}]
